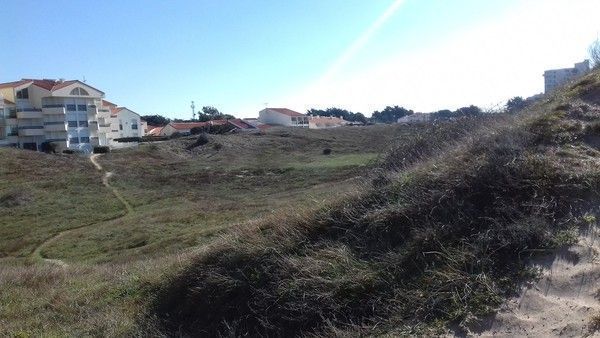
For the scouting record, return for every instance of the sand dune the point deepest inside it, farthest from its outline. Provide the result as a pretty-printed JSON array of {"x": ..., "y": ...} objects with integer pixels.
[{"x": 562, "y": 302}]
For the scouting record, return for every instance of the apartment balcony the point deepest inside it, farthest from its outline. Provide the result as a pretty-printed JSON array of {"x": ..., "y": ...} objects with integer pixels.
[
  {"x": 31, "y": 131},
  {"x": 103, "y": 114},
  {"x": 92, "y": 111},
  {"x": 55, "y": 126},
  {"x": 93, "y": 125},
  {"x": 53, "y": 109},
  {"x": 29, "y": 113},
  {"x": 12, "y": 113}
]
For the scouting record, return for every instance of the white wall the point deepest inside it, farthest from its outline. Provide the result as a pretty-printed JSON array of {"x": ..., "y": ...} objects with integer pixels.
[{"x": 273, "y": 117}]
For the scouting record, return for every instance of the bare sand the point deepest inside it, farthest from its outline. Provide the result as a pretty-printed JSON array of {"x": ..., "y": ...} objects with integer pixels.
[{"x": 563, "y": 302}]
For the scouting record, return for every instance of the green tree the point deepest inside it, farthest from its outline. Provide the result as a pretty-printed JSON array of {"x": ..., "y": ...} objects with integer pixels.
[
  {"x": 468, "y": 111},
  {"x": 338, "y": 112},
  {"x": 156, "y": 120},
  {"x": 515, "y": 105},
  {"x": 211, "y": 111},
  {"x": 390, "y": 114}
]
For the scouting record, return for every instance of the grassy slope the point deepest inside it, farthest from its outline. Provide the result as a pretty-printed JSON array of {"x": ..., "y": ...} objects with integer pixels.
[
  {"x": 181, "y": 199},
  {"x": 439, "y": 238}
]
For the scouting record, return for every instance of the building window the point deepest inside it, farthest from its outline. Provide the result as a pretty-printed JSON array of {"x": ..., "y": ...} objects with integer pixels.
[
  {"x": 81, "y": 107},
  {"x": 120, "y": 126},
  {"x": 79, "y": 91},
  {"x": 84, "y": 139},
  {"x": 83, "y": 124},
  {"x": 72, "y": 124},
  {"x": 134, "y": 126},
  {"x": 23, "y": 94},
  {"x": 74, "y": 140},
  {"x": 71, "y": 107}
]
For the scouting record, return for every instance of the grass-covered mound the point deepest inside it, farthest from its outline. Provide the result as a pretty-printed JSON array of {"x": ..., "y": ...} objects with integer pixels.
[{"x": 440, "y": 235}]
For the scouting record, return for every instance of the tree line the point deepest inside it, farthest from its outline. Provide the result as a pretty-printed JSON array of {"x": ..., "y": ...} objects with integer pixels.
[{"x": 389, "y": 114}]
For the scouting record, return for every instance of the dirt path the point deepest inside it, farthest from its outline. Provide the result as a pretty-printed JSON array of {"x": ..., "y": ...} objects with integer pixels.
[
  {"x": 563, "y": 302},
  {"x": 37, "y": 253},
  {"x": 106, "y": 181}
]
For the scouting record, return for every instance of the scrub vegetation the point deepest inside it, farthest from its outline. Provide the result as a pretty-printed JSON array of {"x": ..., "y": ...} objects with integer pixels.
[
  {"x": 396, "y": 230},
  {"x": 438, "y": 238}
]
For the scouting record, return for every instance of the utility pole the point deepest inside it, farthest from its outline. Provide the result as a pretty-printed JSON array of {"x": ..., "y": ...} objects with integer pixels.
[{"x": 193, "y": 111}]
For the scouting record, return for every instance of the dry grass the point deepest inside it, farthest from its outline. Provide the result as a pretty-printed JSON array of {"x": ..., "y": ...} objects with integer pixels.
[
  {"x": 181, "y": 200},
  {"x": 440, "y": 236}
]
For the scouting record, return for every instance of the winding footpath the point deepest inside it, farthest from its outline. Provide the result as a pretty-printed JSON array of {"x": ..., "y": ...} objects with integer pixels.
[{"x": 37, "y": 252}]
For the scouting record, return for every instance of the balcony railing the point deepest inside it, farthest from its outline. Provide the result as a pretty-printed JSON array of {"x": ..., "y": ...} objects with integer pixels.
[
  {"x": 55, "y": 126},
  {"x": 31, "y": 130},
  {"x": 28, "y": 109},
  {"x": 54, "y": 110},
  {"x": 53, "y": 106},
  {"x": 29, "y": 114}
]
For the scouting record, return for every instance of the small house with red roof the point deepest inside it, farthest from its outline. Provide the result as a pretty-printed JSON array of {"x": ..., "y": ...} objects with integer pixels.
[{"x": 283, "y": 117}]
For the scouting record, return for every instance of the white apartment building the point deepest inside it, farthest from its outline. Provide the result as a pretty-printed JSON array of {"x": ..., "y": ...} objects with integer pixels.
[
  {"x": 557, "y": 77},
  {"x": 123, "y": 123},
  {"x": 283, "y": 117},
  {"x": 70, "y": 114}
]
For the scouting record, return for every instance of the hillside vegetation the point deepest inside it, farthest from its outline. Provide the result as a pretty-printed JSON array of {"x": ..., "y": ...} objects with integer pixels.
[
  {"x": 74, "y": 261},
  {"x": 437, "y": 237}
]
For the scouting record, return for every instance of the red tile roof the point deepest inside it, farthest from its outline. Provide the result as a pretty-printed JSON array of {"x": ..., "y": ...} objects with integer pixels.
[
  {"x": 238, "y": 123},
  {"x": 154, "y": 131},
  {"x": 47, "y": 84},
  {"x": 190, "y": 125},
  {"x": 13, "y": 84},
  {"x": 106, "y": 103},
  {"x": 114, "y": 111},
  {"x": 286, "y": 111},
  {"x": 187, "y": 125}
]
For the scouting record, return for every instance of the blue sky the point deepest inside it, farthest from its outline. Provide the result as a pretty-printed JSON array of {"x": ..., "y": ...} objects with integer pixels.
[{"x": 157, "y": 56}]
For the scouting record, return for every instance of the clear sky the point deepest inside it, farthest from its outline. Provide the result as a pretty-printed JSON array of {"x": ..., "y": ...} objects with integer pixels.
[{"x": 238, "y": 55}]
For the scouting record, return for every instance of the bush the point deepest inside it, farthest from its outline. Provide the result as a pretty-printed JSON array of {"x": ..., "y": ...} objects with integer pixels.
[
  {"x": 217, "y": 146},
  {"x": 200, "y": 141},
  {"x": 326, "y": 151},
  {"x": 101, "y": 150},
  {"x": 128, "y": 139},
  {"x": 68, "y": 151},
  {"x": 196, "y": 130},
  {"x": 49, "y": 147},
  {"x": 441, "y": 241}
]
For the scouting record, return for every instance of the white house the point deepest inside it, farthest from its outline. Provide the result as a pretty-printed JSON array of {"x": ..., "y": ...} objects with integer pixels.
[
  {"x": 122, "y": 123},
  {"x": 283, "y": 117},
  {"x": 415, "y": 118},
  {"x": 325, "y": 122}
]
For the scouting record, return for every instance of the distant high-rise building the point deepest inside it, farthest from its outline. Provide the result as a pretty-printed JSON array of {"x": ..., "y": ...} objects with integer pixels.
[{"x": 557, "y": 77}]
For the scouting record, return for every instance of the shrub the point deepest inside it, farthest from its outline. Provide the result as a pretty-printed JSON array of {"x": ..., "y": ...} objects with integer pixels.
[
  {"x": 327, "y": 151},
  {"x": 128, "y": 139},
  {"x": 217, "y": 146},
  {"x": 200, "y": 141},
  {"x": 48, "y": 147},
  {"x": 197, "y": 130},
  {"x": 441, "y": 241},
  {"x": 13, "y": 198},
  {"x": 68, "y": 151},
  {"x": 101, "y": 150}
]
